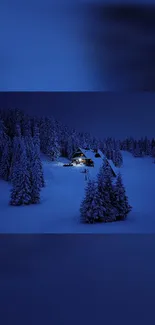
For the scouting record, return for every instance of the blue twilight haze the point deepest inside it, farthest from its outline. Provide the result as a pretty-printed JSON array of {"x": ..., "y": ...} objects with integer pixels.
[{"x": 77, "y": 45}]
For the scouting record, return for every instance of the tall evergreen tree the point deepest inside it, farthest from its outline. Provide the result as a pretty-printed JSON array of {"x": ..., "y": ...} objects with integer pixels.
[
  {"x": 34, "y": 166},
  {"x": 70, "y": 148},
  {"x": 21, "y": 190},
  {"x": 5, "y": 163},
  {"x": 102, "y": 203},
  {"x": 110, "y": 199},
  {"x": 106, "y": 169},
  {"x": 105, "y": 195},
  {"x": 117, "y": 158},
  {"x": 52, "y": 140},
  {"x": 153, "y": 152},
  {"x": 36, "y": 142},
  {"x": 3, "y": 137},
  {"x": 18, "y": 132},
  {"x": 36, "y": 181},
  {"x": 122, "y": 205},
  {"x": 88, "y": 205},
  {"x": 137, "y": 152},
  {"x": 16, "y": 153},
  {"x": 26, "y": 126}
]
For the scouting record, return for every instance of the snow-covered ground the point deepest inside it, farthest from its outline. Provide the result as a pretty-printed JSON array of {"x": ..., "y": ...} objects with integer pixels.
[{"x": 58, "y": 211}]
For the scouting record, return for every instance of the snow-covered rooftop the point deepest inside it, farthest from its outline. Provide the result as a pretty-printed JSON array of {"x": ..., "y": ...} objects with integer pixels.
[
  {"x": 115, "y": 169},
  {"x": 90, "y": 154}
]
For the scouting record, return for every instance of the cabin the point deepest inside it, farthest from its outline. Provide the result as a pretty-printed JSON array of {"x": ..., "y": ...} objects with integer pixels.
[
  {"x": 83, "y": 157},
  {"x": 90, "y": 158}
]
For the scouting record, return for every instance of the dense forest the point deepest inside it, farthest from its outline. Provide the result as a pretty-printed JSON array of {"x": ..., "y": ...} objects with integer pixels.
[
  {"x": 23, "y": 138},
  {"x": 48, "y": 135}
]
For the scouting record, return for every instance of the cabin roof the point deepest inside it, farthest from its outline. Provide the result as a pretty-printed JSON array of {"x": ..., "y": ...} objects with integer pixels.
[{"x": 90, "y": 154}]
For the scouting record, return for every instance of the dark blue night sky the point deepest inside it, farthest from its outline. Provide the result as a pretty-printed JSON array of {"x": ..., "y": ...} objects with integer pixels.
[{"x": 102, "y": 114}]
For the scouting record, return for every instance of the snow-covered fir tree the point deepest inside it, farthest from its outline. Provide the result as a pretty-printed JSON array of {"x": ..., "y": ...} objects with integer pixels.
[
  {"x": 106, "y": 169},
  {"x": 56, "y": 150},
  {"x": 110, "y": 199},
  {"x": 36, "y": 142},
  {"x": 26, "y": 126},
  {"x": 62, "y": 132},
  {"x": 18, "y": 132},
  {"x": 88, "y": 205},
  {"x": 109, "y": 192},
  {"x": 49, "y": 139},
  {"x": 34, "y": 166},
  {"x": 103, "y": 204},
  {"x": 109, "y": 153},
  {"x": 153, "y": 152},
  {"x": 100, "y": 198},
  {"x": 3, "y": 137},
  {"x": 16, "y": 153},
  {"x": 21, "y": 182},
  {"x": 149, "y": 149},
  {"x": 117, "y": 158},
  {"x": 137, "y": 150},
  {"x": 36, "y": 175},
  {"x": 121, "y": 204},
  {"x": 43, "y": 134},
  {"x": 70, "y": 148},
  {"x": 5, "y": 162},
  {"x": 131, "y": 145},
  {"x": 152, "y": 143},
  {"x": 123, "y": 145}
]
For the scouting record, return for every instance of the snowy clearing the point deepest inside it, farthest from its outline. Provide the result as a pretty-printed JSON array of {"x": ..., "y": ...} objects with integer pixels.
[{"x": 58, "y": 211}]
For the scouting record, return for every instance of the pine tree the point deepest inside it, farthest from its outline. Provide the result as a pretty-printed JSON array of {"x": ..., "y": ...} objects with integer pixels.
[
  {"x": 117, "y": 158},
  {"x": 122, "y": 205},
  {"x": 36, "y": 183},
  {"x": 110, "y": 199},
  {"x": 43, "y": 135},
  {"x": 152, "y": 143},
  {"x": 136, "y": 151},
  {"x": 36, "y": 142},
  {"x": 16, "y": 154},
  {"x": 149, "y": 149},
  {"x": 21, "y": 191},
  {"x": 3, "y": 137},
  {"x": 88, "y": 205},
  {"x": 34, "y": 166},
  {"x": 56, "y": 151},
  {"x": 108, "y": 192},
  {"x": 26, "y": 126},
  {"x": 70, "y": 148},
  {"x": 105, "y": 195},
  {"x": 101, "y": 198},
  {"x": 18, "y": 132},
  {"x": 51, "y": 140},
  {"x": 106, "y": 169},
  {"x": 153, "y": 152},
  {"x": 5, "y": 163},
  {"x": 131, "y": 144}
]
